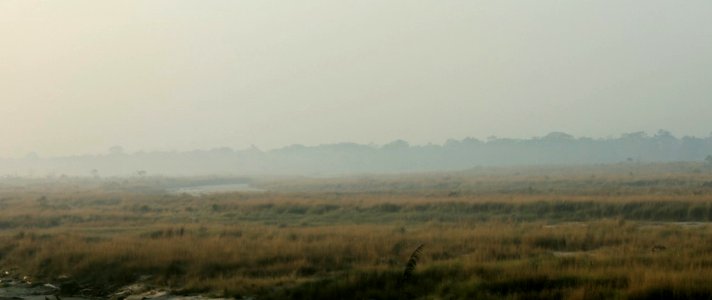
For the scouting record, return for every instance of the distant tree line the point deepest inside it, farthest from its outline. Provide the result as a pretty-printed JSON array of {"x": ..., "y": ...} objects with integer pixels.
[{"x": 398, "y": 156}]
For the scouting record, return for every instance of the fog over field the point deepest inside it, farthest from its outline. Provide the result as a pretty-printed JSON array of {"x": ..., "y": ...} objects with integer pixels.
[
  {"x": 355, "y": 149},
  {"x": 77, "y": 78}
]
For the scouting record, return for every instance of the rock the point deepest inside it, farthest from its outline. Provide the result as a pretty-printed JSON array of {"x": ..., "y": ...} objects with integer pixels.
[
  {"x": 130, "y": 291},
  {"x": 63, "y": 277},
  {"x": 154, "y": 294}
]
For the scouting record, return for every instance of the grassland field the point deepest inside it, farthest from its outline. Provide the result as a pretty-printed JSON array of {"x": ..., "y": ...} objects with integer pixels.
[{"x": 624, "y": 231}]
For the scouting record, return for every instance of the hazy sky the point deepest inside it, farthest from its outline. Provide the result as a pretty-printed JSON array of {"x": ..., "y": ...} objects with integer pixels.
[{"x": 81, "y": 76}]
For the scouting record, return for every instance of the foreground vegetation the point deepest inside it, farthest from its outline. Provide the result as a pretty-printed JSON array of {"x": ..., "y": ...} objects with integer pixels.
[{"x": 613, "y": 232}]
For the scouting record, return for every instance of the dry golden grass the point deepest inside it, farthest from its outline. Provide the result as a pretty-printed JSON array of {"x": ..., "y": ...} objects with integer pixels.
[{"x": 511, "y": 242}]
